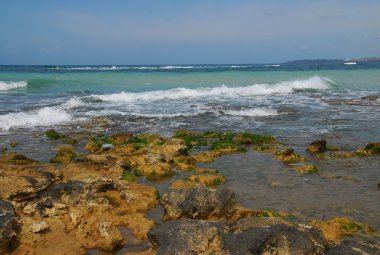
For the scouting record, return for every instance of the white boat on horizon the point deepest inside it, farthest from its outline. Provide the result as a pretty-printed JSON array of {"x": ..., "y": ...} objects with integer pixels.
[{"x": 350, "y": 63}]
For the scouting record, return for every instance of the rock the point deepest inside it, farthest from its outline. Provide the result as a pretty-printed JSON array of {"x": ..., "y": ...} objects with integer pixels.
[
  {"x": 188, "y": 237},
  {"x": 289, "y": 156},
  {"x": 23, "y": 183},
  {"x": 210, "y": 180},
  {"x": 38, "y": 227},
  {"x": 371, "y": 97},
  {"x": 54, "y": 135},
  {"x": 306, "y": 169},
  {"x": 204, "y": 170},
  {"x": 17, "y": 159},
  {"x": 198, "y": 203},
  {"x": 118, "y": 139},
  {"x": 65, "y": 154},
  {"x": 8, "y": 225},
  {"x": 206, "y": 157},
  {"x": 354, "y": 247},
  {"x": 246, "y": 236},
  {"x": 371, "y": 149},
  {"x": 275, "y": 239},
  {"x": 336, "y": 229},
  {"x": 318, "y": 146},
  {"x": 111, "y": 236},
  {"x": 183, "y": 184}
]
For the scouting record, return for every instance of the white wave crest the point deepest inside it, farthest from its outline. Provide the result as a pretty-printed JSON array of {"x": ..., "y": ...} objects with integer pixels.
[
  {"x": 286, "y": 87},
  {"x": 43, "y": 117},
  {"x": 72, "y": 103},
  {"x": 8, "y": 85},
  {"x": 256, "y": 112}
]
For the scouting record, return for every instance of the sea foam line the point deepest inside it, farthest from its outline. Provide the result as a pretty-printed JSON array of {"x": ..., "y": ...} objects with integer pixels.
[
  {"x": 286, "y": 87},
  {"x": 8, "y": 85},
  {"x": 253, "y": 112}
]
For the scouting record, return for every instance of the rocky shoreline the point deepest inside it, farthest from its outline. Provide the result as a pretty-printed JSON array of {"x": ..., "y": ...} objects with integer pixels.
[{"x": 79, "y": 203}]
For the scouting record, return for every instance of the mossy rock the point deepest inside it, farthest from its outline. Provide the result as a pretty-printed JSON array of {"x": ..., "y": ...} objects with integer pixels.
[
  {"x": 54, "y": 135},
  {"x": 342, "y": 154},
  {"x": 306, "y": 169},
  {"x": 204, "y": 170},
  {"x": 65, "y": 154},
  {"x": 17, "y": 159},
  {"x": 208, "y": 179},
  {"x": 70, "y": 141},
  {"x": 190, "y": 139},
  {"x": 319, "y": 146},
  {"x": 184, "y": 184},
  {"x": 128, "y": 176},
  {"x": 13, "y": 144},
  {"x": 227, "y": 146},
  {"x": 371, "y": 149},
  {"x": 255, "y": 139},
  {"x": 289, "y": 156},
  {"x": 3, "y": 150},
  {"x": 337, "y": 228}
]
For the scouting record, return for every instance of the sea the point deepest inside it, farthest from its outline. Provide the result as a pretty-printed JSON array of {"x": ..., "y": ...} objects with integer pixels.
[{"x": 296, "y": 102}]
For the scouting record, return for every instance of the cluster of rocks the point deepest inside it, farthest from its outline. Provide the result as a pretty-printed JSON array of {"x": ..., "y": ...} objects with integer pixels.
[
  {"x": 199, "y": 222},
  {"x": 79, "y": 202}
]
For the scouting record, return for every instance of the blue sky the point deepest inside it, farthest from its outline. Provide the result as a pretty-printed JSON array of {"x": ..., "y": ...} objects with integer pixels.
[{"x": 186, "y": 32}]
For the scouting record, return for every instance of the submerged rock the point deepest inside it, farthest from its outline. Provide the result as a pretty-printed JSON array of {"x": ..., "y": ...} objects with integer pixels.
[
  {"x": 289, "y": 156},
  {"x": 210, "y": 180},
  {"x": 65, "y": 154},
  {"x": 54, "y": 135},
  {"x": 306, "y": 169},
  {"x": 371, "y": 149},
  {"x": 318, "y": 146},
  {"x": 17, "y": 159}
]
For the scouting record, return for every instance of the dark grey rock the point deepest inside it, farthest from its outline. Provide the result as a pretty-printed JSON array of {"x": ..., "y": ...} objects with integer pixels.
[
  {"x": 198, "y": 203},
  {"x": 276, "y": 239},
  {"x": 353, "y": 247},
  {"x": 188, "y": 237},
  {"x": 8, "y": 225},
  {"x": 247, "y": 236}
]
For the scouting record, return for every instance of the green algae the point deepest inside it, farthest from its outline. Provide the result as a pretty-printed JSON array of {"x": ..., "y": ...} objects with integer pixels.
[{"x": 54, "y": 135}]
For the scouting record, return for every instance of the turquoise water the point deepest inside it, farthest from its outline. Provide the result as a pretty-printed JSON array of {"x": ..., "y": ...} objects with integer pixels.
[{"x": 280, "y": 99}]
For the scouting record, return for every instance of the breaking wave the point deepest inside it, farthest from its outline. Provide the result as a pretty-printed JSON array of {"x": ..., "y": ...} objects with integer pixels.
[
  {"x": 286, "y": 87},
  {"x": 43, "y": 117},
  {"x": 8, "y": 85},
  {"x": 256, "y": 112}
]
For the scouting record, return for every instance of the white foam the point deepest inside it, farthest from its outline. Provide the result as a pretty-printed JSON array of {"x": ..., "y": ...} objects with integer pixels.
[
  {"x": 286, "y": 87},
  {"x": 273, "y": 65},
  {"x": 255, "y": 112},
  {"x": 166, "y": 115},
  {"x": 72, "y": 103},
  {"x": 43, "y": 117},
  {"x": 8, "y": 85}
]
